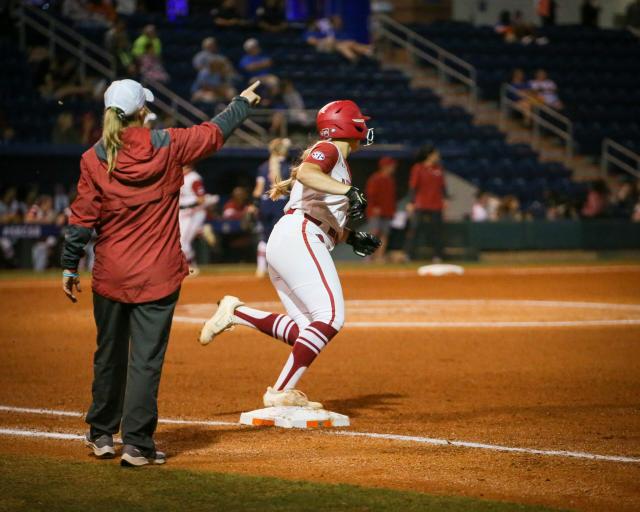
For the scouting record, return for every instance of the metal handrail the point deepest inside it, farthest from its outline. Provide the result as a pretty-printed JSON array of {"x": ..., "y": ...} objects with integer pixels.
[
  {"x": 635, "y": 31},
  {"x": 166, "y": 100},
  {"x": 442, "y": 59},
  {"x": 608, "y": 158},
  {"x": 565, "y": 133}
]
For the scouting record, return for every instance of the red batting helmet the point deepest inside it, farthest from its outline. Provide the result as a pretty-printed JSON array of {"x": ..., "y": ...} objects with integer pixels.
[{"x": 342, "y": 119}]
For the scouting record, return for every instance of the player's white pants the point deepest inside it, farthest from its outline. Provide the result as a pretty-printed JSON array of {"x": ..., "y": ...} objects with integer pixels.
[
  {"x": 191, "y": 221},
  {"x": 303, "y": 272}
]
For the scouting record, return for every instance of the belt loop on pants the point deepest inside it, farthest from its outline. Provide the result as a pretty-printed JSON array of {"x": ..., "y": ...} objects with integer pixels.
[{"x": 332, "y": 233}]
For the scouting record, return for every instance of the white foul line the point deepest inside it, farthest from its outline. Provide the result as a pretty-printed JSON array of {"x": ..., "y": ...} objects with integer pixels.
[{"x": 370, "y": 435}]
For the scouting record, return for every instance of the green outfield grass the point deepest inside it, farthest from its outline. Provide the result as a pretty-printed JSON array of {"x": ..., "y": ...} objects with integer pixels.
[{"x": 43, "y": 484}]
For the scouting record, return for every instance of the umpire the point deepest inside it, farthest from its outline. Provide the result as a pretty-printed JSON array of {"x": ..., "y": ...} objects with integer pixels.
[{"x": 128, "y": 192}]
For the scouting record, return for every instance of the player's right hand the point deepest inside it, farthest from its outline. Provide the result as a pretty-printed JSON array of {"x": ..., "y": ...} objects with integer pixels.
[
  {"x": 250, "y": 95},
  {"x": 357, "y": 203}
]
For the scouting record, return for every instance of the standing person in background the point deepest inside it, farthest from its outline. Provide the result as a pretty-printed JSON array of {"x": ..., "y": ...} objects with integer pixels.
[
  {"x": 428, "y": 192},
  {"x": 128, "y": 191},
  {"x": 381, "y": 195},
  {"x": 193, "y": 213},
  {"x": 148, "y": 36},
  {"x": 271, "y": 172},
  {"x": 547, "y": 11}
]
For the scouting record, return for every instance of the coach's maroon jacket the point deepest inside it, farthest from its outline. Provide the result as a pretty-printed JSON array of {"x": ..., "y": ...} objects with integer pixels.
[{"x": 134, "y": 210}]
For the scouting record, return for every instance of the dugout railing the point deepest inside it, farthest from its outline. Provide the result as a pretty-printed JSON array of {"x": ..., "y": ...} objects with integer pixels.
[{"x": 615, "y": 155}]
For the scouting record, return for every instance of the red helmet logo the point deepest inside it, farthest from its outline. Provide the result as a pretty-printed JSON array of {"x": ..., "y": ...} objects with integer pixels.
[{"x": 343, "y": 119}]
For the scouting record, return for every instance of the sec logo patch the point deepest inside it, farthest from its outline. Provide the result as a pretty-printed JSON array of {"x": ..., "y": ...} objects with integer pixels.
[{"x": 317, "y": 155}]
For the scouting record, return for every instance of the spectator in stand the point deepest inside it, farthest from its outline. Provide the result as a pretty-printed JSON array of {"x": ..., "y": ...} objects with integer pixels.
[
  {"x": 597, "y": 200},
  {"x": 480, "y": 208},
  {"x": 271, "y": 16},
  {"x": 381, "y": 197},
  {"x": 11, "y": 209},
  {"x": 521, "y": 94},
  {"x": 117, "y": 42},
  {"x": 589, "y": 13},
  {"x": 213, "y": 83},
  {"x": 255, "y": 64},
  {"x": 90, "y": 131},
  {"x": 60, "y": 198},
  {"x": 227, "y": 16},
  {"x": 104, "y": 9},
  {"x": 624, "y": 200},
  {"x": 547, "y": 11},
  {"x": 327, "y": 35},
  {"x": 81, "y": 13},
  {"x": 151, "y": 67},
  {"x": 504, "y": 26},
  {"x": 237, "y": 207},
  {"x": 208, "y": 53},
  {"x": 524, "y": 32},
  {"x": 510, "y": 209},
  {"x": 41, "y": 212},
  {"x": 428, "y": 192},
  {"x": 294, "y": 103},
  {"x": 64, "y": 130},
  {"x": 544, "y": 90},
  {"x": 126, "y": 7},
  {"x": 149, "y": 35}
]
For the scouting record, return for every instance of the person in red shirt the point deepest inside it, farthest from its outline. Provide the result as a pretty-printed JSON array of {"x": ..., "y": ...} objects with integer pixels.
[
  {"x": 128, "y": 192},
  {"x": 428, "y": 192},
  {"x": 381, "y": 195}
]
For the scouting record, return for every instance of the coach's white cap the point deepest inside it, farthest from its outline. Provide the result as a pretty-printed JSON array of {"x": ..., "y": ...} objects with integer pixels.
[{"x": 127, "y": 95}]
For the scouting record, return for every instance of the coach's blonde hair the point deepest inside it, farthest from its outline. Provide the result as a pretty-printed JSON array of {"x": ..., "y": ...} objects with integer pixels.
[
  {"x": 113, "y": 123},
  {"x": 282, "y": 188}
]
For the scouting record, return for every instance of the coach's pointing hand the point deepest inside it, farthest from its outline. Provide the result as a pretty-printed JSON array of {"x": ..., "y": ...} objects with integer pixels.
[
  {"x": 70, "y": 278},
  {"x": 250, "y": 95}
]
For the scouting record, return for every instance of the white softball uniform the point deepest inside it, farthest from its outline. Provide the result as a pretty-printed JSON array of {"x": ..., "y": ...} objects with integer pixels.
[
  {"x": 192, "y": 215},
  {"x": 298, "y": 250}
]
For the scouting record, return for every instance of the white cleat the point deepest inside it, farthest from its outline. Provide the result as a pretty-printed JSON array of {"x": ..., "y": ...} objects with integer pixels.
[
  {"x": 222, "y": 319},
  {"x": 288, "y": 398}
]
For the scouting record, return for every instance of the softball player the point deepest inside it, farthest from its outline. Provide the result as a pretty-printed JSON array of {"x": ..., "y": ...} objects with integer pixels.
[
  {"x": 193, "y": 202},
  {"x": 272, "y": 171},
  {"x": 300, "y": 266},
  {"x": 128, "y": 192}
]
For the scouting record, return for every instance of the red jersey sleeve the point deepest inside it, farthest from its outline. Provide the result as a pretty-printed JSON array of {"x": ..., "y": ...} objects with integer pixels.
[
  {"x": 85, "y": 209},
  {"x": 325, "y": 155},
  {"x": 191, "y": 144},
  {"x": 414, "y": 177}
]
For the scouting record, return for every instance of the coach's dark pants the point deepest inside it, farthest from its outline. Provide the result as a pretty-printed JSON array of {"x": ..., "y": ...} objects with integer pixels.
[
  {"x": 132, "y": 341},
  {"x": 427, "y": 230}
]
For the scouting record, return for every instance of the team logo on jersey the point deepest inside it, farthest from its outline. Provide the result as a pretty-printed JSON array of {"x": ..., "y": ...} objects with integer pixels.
[
  {"x": 324, "y": 132},
  {"x": 317, "y": 155}
]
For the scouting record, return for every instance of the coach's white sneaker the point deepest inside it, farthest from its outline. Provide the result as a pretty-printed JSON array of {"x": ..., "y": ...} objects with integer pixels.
[
  {"x": 222, "y": 319},
  {"x": 288, "y": 397}
]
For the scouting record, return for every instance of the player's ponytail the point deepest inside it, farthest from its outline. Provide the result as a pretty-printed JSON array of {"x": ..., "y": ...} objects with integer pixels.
[
  {"x": 282, "y": 188},
  {"x": 112, "y": 126}
]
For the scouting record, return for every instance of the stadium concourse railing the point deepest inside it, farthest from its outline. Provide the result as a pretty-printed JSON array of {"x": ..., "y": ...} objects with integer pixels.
[
  {"x": 93, "y": 57},
  {"x": 449, "y": 67},
  {"x": 542, "y": 118},
  {"x": 620, "y": 156}
]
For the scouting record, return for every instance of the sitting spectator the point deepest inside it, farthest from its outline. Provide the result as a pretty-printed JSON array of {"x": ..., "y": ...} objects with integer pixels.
[
  {"x": 255, "y": 64},
  {"x": 504, "y": 26},
  {"x": 589, "y": 13},
  {"x": 83, "y": 16},
  {"x": 213, "y": 83},
  {"x": 64, "y": 131},
  {"x": 41, "y": 212},
  {"x": 209, "y": 52},
  {"x": 521, "y": 94},
  {"x": 227, "y": 15},
  {"x": 237, "y": 207},
  {"x": 510, "y": 209},
  {"x": 381, "y": 196},
  {"x": 294, "y": 103},
  {"x": 117, "y": 42},
  {"x": 60, "y": 198},
  {"x": 271, "y": 16},
  {"x": 104, "y": 9},
  {"x": 149, "y": 35},
  {"x": 11, "y": 209},
  {"x": 524, "y": 32},
  {"x": 544, "y": 90},
  {"x": 90, "y": 129},
  {"x": 480, "y": 208},
  {"x": 327, "y": 35},
  {"x": 597, "y": 200},
  {"x": 151, "y": 67}
]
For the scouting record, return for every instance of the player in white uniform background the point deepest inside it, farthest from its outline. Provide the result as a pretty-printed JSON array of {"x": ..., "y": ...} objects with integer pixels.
[
  {"x": 193, "y": 203},
  {"x": 300, "y": 266}
]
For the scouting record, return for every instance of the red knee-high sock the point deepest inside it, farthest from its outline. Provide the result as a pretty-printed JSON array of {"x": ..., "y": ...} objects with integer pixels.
[
  {"x": 309, "y": 344},
  {"x": 277, "y": 326}
]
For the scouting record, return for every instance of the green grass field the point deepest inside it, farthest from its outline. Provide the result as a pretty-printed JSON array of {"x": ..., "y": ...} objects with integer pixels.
[{"x": 43, "y": 484}]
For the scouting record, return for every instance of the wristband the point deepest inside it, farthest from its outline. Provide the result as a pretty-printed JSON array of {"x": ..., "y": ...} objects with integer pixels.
[{"x": 70, "y": 274}]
